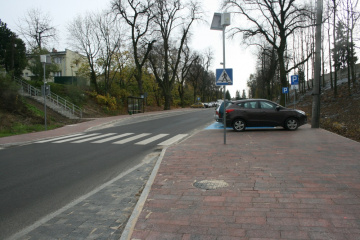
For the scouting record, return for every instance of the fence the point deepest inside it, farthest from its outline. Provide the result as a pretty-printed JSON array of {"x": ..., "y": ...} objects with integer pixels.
[{"x": 61, "y": 103}]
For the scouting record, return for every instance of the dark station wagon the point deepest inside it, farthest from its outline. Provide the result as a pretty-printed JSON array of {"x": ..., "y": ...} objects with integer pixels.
[{"x": 262, "y": 113}]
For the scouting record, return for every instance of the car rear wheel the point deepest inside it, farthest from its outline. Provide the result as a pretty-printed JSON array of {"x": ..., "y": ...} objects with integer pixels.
[
  {"x": 239, "y": 125},
  {"x": 291, "y": 124}
]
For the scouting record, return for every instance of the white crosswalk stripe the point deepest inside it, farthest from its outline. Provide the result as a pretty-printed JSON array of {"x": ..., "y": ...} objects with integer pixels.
[
  {"x": 113, "y": 138},
  {"x": 59, "y": 138},
  {"x": 93, "y": 138},
  {"x": 152, "y": 139},
  {"x": 173, "y": 140},
  {"x": 75, "y": 138},
  {"x": 126, "y": 140}
]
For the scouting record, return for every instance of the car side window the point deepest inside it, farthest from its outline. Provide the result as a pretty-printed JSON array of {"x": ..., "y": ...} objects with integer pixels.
[
  {"x": 267, "y": 105},
  {"x": 250, "y": 105},
  {"x": 241, "y": 105}
]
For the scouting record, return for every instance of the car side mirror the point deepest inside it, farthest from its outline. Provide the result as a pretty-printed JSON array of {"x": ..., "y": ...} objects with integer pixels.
[{"x": 278, "y": 108}]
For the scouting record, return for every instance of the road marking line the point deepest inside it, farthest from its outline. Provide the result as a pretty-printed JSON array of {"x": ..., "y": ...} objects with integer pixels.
[
  {"x": 112, "y": 138},
  {"x": 92, "y": 138},
  {"x": 131, "y": 138},
  {"x": 173, "y": 140},
  {"x": 149, "y": 140},
  {"x": 59, "y": 138},
  {"x": 75, "y": 138}
]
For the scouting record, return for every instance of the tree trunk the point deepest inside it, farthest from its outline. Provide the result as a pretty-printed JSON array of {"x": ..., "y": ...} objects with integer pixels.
[
  {"x": 348, "y": 47},
  {"x": 93, "y": 81},
  {"x": 168, "y": 98},
  {"x": 335, "y": 59},
  {"x": 181, "y": 95},
  {"x": 330, "y": 64},
  {"x": 315, "y": 118}
]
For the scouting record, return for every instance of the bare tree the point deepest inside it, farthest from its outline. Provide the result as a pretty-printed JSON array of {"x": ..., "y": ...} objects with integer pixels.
[
  {"x": 207, "y": 83},
  {"x": 334, "y": 39},
  {"x": 349, "y": 19},
  {"x": 354, "y": 17},
  {"x": 37, "y": 29},
  {"x": 138, "y": 16},
  {"x": 110, "y": 38},
  {"x": 195, "y": 77},
  {"x": 186, "y": 63},
  {"x": 273, "y": 21},
  {"x": 171, "y": 15},
  {"x": 329, "y": 43},
  {"x": 83, "y": 38}
]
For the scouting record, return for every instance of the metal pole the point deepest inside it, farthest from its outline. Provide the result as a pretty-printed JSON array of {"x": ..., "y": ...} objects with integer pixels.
[
  {"x": 315, "y": 119},
  {"x": 45, "y": 97},
  {"x": 294, "y": 95},
  {"x": 224, "y": 115}
]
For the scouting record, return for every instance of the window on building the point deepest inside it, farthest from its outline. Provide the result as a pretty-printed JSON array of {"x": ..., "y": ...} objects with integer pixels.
[
  {"x": 57, "y": 60},
  {"x": 57, "y": 74}
]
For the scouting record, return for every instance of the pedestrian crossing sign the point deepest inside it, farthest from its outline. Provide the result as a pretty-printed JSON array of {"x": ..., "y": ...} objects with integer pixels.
[{"x": 224, "y": 77}]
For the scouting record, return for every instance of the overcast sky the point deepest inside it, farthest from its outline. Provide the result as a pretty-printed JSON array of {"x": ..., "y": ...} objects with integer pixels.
[{"x": 62, "y": 12}]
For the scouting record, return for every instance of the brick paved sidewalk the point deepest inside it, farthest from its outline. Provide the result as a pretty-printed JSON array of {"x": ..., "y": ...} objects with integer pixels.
[{"x": 271, "y": 184}]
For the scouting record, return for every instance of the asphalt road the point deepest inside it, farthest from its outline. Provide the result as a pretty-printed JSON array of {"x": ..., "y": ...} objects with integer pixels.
[{"x": 40, "y": 178}]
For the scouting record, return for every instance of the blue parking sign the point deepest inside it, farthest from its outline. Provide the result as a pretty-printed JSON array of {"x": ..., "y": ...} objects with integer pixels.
[
  {"x": 295, "y": 80},
  {"x": 285, "y": 90}
]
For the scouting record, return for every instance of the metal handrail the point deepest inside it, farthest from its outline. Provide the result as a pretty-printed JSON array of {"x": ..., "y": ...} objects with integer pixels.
[{"x": 52, "y": 97}]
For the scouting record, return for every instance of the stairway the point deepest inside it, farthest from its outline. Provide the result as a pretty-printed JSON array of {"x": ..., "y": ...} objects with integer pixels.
[{"x": 52, "y": 100}]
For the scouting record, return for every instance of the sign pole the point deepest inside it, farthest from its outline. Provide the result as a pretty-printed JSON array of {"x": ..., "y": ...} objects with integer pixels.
[
  {"x": 45, "y": 96},
  {"x": 224, "y": 115},
  {"x": 219, "y": 22},
  {"x": 294, "y": 85}
]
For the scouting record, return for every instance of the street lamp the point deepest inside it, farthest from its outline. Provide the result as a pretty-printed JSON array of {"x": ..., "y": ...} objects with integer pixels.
[{"x": 219, "y": 22}]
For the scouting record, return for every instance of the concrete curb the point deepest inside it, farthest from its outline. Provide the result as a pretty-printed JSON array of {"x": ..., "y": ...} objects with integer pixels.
[{"x": 129, "y": 228}]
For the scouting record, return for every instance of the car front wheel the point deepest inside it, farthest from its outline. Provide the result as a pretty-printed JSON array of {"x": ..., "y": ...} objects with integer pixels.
[
  {"x": 239, "y": 125},
  {"x": 291, "y": 124}
]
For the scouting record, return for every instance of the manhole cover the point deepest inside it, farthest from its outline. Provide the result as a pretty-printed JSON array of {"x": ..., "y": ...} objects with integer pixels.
[{"x": 210, "y": 184}]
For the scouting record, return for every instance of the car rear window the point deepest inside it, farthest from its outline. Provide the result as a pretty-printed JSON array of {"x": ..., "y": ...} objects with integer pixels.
[{"x": 267, "y": 105}]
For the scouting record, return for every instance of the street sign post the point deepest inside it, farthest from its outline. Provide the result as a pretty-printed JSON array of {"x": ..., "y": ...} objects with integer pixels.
[
  {"x": 285, "y": 90},
  {"x": 294, "y": 85},
  {"x": 220, "y": 22}
]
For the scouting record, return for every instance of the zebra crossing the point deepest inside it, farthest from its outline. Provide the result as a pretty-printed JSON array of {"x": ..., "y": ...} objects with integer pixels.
[{"x": 115, "y": 138}]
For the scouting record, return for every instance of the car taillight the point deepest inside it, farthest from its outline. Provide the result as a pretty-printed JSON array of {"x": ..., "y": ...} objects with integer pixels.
[
  {"x": 217, "y": 113},
  {"x": 229, "y": 110}
]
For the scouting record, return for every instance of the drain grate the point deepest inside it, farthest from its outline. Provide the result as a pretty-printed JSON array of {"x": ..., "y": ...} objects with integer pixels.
[{"x": 210, "y": 184}]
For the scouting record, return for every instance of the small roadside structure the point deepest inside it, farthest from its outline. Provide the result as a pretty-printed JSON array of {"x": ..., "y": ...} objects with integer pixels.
[{"x": 135, "y": 105}]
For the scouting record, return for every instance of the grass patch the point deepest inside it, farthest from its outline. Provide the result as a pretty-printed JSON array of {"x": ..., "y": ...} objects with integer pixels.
[
  {"x": 35, "y": 111},
  {"x": 19, "y": 128}
]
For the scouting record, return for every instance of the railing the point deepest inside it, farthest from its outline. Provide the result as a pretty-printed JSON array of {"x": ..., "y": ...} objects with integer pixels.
[{"x": 60, "y": 102}]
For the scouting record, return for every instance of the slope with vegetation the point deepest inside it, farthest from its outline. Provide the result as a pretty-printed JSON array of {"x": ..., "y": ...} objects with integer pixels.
[
  {"x": 339, "y": 115},
  {"x": 20, "y": 115}
]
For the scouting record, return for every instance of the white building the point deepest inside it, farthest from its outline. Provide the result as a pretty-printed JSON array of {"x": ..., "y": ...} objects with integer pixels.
[{"x": 68, "y": 63}]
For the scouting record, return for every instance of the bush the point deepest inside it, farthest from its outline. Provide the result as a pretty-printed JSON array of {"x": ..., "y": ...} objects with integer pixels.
[
  {"x": 107, "y": 101},
  {"x": 72, "y": 93},
  {"x": 10, "y": 100}
]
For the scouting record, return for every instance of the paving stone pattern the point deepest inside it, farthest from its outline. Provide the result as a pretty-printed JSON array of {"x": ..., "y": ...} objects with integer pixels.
[{"x": 281, "y": 185}]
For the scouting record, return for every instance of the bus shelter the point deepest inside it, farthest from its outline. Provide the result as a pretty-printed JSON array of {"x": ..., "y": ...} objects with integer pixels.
[{"x": 136, "y": 105}]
